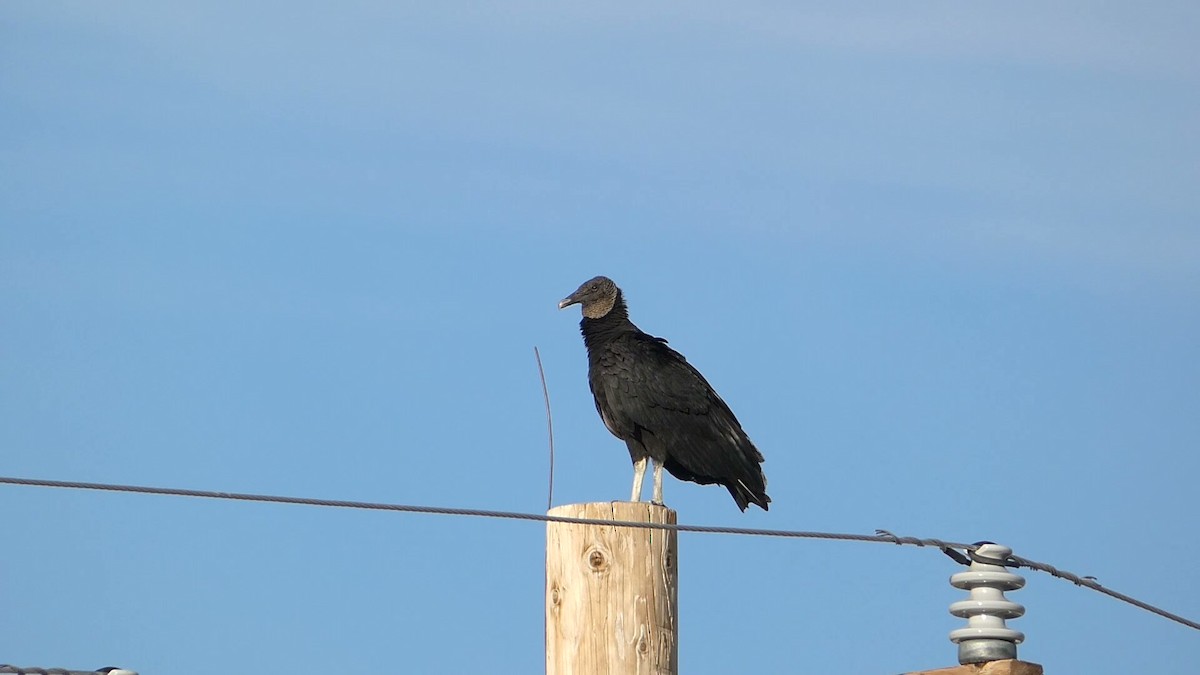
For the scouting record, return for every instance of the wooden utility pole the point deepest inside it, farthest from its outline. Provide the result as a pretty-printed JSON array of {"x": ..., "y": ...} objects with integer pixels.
[{"x": 612, "y": 593}]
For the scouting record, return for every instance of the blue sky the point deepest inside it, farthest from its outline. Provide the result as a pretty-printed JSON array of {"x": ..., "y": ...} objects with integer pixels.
[{"x": 942, "y": 260}]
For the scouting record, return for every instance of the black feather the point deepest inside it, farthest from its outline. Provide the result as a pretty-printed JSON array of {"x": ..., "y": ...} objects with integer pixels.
[{"x": 649, "y": 396}]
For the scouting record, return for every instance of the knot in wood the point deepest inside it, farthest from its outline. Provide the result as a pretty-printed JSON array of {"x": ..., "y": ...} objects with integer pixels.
[
  {"x": 597, "y": 559},
  {"x": 555, "y": 599}
]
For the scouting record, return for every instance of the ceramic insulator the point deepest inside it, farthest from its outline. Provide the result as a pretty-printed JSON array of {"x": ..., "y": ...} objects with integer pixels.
[{"x": 987, "y": 637}]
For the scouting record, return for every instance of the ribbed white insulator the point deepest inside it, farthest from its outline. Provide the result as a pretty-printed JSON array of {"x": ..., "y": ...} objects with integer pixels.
[{"x": 986, "y": 637}]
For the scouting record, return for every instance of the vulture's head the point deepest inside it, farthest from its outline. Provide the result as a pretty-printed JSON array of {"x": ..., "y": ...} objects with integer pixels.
[{"x": 597, "y": 296}]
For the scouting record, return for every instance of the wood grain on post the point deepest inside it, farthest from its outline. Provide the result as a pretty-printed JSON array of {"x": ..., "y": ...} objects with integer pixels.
[{"x": 612, "y": 595}]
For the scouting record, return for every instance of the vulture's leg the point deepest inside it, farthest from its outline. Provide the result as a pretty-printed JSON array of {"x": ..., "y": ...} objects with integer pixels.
[
  {"x": 639, "y": 472},
  {"x": 657, "y": 499}
]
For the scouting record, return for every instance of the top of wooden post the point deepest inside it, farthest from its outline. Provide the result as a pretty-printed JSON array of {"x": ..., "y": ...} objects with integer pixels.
[
  {"x": 636, "y": 512},
  {"x": 1006, "y": 667}
]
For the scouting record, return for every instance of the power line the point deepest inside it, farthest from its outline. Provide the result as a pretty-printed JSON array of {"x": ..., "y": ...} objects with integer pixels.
[
  {"x": 1089, "y": 582},
  {"x": 886, "y": 538},
  {"x": 882, "y": 536}
]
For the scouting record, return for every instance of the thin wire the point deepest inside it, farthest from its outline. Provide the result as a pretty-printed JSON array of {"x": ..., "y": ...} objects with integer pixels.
[
  {"x": 882, "y": 536},
  {"x": 549, "y": 426}
]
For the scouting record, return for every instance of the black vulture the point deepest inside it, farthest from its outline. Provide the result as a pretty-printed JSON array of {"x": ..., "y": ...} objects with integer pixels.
[{"x": 649, "y": 396}]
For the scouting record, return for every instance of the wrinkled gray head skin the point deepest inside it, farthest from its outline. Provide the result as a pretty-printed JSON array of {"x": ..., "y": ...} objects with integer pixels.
[{"x": 597, "y": 297}]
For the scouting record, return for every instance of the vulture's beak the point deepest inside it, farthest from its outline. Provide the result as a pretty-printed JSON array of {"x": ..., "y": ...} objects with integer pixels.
[{"x": 568, "y": 301}]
